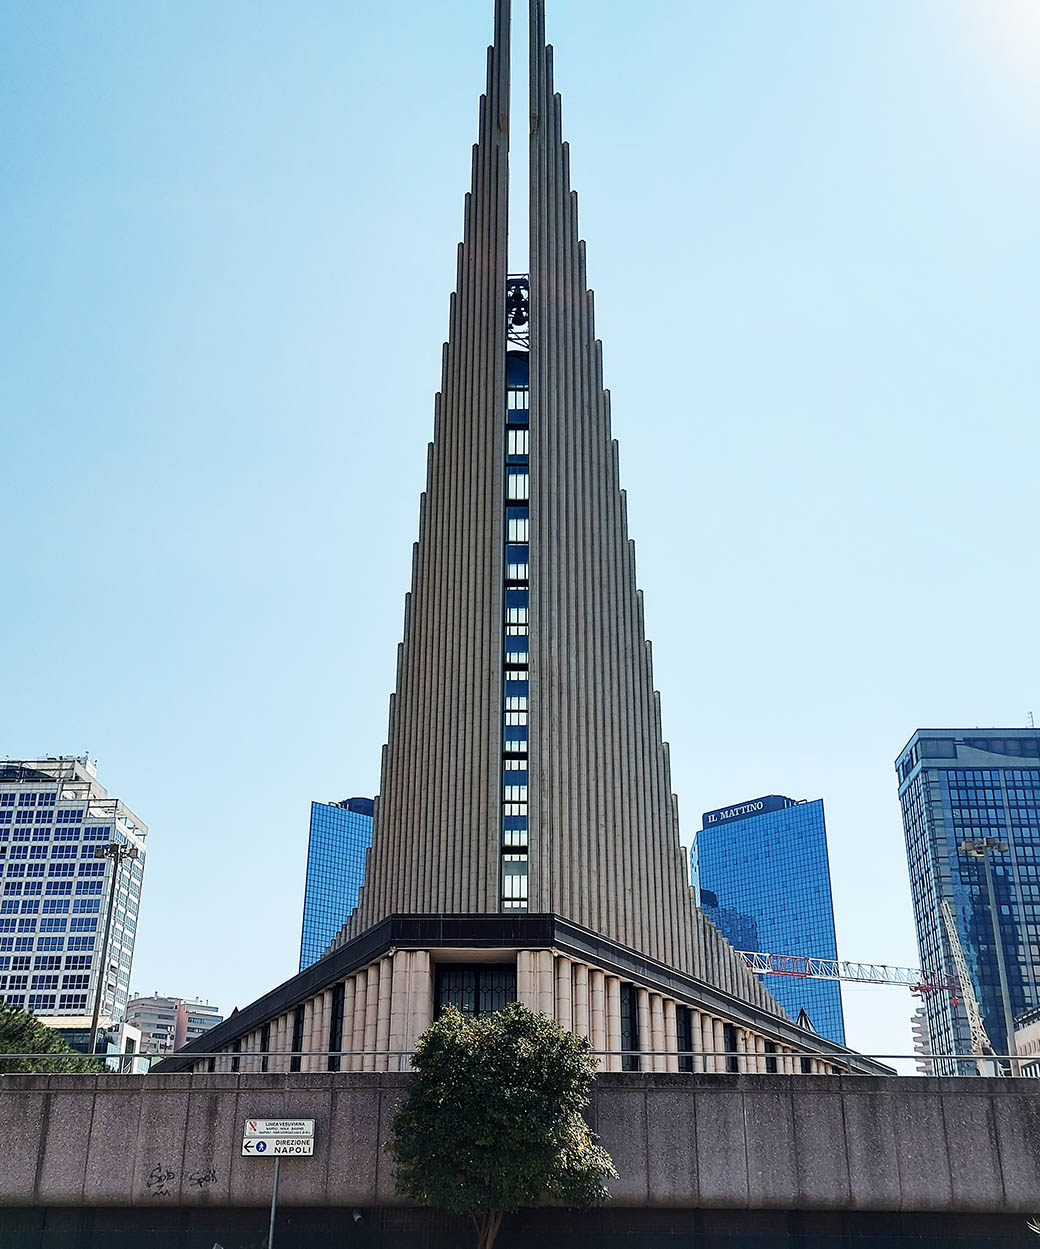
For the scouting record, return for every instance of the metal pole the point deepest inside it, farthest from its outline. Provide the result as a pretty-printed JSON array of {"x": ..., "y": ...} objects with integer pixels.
[
  {"x": 102, "y": 969},
  {"x": 1005, "y": 999},
  {"x": 274, "y": 1202}
]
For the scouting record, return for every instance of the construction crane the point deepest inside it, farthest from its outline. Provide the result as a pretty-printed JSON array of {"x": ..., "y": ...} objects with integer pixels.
[
  {"x": 980, "y": 1042},
  {"x": 911, "y": 978}
]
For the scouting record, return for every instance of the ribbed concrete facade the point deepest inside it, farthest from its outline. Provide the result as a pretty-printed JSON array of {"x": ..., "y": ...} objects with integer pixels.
[
  {"x": 436, "y": 830},
  {"x": 604, "y": 842},
  {"x": 603, "y": 845}
]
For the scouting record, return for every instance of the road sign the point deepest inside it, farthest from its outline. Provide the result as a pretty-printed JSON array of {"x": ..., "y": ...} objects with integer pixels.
[
  {"x": 279, "y": 1127},
  {"x": 277, "y": 1146},
  {"x": 278, "y": 1138}
]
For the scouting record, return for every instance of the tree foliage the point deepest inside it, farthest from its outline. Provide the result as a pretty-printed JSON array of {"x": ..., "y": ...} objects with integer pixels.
[
  {"x": 492, "y": 1120},
  {"x": 22, "y": 1033}
]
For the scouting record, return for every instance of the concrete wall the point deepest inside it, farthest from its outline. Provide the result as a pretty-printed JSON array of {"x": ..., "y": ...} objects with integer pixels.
[{"x": 679, "y": 1142}]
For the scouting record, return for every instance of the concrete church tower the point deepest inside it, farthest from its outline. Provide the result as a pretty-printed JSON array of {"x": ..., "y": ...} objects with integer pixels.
[
  {"x": 525, "y": 840},
  {"x": 602, "y": 843}
]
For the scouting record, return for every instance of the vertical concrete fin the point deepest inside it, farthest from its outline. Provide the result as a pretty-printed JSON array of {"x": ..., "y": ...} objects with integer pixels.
[
  {"x": 434, "y": 843},
  {"x": 604, "y": 850}
]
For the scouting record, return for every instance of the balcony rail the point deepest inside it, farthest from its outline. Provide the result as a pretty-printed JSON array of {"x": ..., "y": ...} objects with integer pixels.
[{"x": 250, "y": 1062}]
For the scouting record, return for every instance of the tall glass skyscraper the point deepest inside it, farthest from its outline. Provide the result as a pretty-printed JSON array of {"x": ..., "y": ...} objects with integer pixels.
[
  {"x": 958, "y": 785},
  {"x": 765, "y": 881},
  {"x": 341, "y": 833}
]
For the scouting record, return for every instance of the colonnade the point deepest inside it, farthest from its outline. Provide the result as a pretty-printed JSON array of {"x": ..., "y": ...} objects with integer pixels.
[
  {"x": 587, "y": 1000},
  {"x": 374, "y": 1017}
]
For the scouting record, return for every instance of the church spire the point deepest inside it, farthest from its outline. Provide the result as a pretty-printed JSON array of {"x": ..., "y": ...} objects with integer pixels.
[
  {"x": 574, "y": 814},
  {"x": 436, "y": 833}
]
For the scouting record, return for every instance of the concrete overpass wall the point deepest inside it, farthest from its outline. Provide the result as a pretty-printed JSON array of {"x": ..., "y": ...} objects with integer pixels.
[{"x": 706, "y": 1141}]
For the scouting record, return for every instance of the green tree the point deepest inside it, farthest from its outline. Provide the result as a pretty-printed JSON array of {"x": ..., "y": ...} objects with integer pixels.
[
  {"x": 492, "y": 1119},
  {"x": 22, "y": 1033}
]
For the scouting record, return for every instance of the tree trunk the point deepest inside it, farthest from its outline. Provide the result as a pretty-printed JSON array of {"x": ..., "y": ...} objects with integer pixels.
[{"x": 487, "y": 1226}]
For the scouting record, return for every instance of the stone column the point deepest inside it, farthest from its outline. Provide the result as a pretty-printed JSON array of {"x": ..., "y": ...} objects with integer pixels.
[
  {"x": 421, "y": 1007},
  {"x": 310, "y": 1020},
  {"x": 657, "y": 1037},
  {"x": 399, "y": 1002},
  {"x": 357, "y": 1039},
  {"x": 545, "y": 986},
  {"x": 526, "y": 979},
  {"x": 279, "y": 1043},
  {"x": 718, "y": 1043},
  {"x": 346, "y": 1036},
  {"x": 671, "y": 1036},
  {"x": 644, "y": 1027},
  {"x": 597, "y": 1019},
  {"x": 319, "y": 1037},
  {"x": 371, "y": 1017},
  {"x": 760, "y": 1050},
  {"x": 612, "y": 1007},
  {"x": 564, "y": 1008},
  {"x": 580, "y": 1003},
  {"x": 696, "y": 1037},
  {"x": 383, "y": 1007},
  {"x": 707, "y": 1042}
]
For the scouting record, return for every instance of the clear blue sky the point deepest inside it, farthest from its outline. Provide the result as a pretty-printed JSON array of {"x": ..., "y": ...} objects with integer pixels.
[{"x": 227, "y": 236}]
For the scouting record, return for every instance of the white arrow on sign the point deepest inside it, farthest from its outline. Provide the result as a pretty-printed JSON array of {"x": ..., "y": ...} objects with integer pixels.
[{"x": 278, "y": 1147}]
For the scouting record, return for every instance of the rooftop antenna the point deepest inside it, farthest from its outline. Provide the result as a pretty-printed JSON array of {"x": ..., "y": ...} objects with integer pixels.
[{"x": 1032, "y": 723}]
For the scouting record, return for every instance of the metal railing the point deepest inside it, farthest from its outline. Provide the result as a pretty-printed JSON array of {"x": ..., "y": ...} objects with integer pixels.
[{"x": 702, "y": 1062}]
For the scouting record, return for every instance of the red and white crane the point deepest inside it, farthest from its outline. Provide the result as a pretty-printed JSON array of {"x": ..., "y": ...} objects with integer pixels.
[{"x": 911, "y": 978}]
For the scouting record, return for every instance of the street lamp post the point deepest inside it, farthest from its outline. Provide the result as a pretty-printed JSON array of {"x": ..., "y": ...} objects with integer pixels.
[
  {"x": 981, "y": 849},
  {"x": 117, "y": 852}
]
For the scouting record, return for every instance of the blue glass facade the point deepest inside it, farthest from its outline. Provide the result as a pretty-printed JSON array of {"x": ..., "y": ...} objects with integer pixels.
[
  {"x": 960, "y": 785},
  {"x": 765, "y": 882},
  {"x": 341, "y": 833}
]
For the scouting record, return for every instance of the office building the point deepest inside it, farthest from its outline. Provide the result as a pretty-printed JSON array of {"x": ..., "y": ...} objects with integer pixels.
[
  {"x": 525, "y": 837},
  {"x": 118, "y": 1043},
  {"x": 1027, "y": 1043},
  {"x": 922, "y": 1041},
  {"x": 340, "y": 835},
  {"x": 54, "y": 817},
  {"x": 167, "y": 1023},
  {"x": 965, "y": 793},
  {"x": 765, "y": 880}
]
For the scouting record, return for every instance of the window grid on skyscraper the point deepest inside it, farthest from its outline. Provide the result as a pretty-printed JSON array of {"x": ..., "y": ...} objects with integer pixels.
[
  {"x": 945, "y": 801},
  {"x": 340, "y": 835},
  {"x": 515, "y": 639},
  {"x": 765, "y": 883},
  {"x": 58, "y": 807}
]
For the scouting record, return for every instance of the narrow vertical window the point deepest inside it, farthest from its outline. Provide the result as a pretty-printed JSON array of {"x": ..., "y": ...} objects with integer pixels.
[
  {"x": 729, "y": 1044},
  {"x": 629, "y": 1028},
  {"x": 516, "y": 572},
  {"x": 336, "y": 1025},
  {"x": 297, "y": 1039},
  {"x": 684, "y": 1037}
]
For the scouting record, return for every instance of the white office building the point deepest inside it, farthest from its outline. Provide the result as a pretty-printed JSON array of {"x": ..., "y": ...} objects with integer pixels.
[
  {"x": 167, "y": 1023},
  {"x": 55, "y": 889}
]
